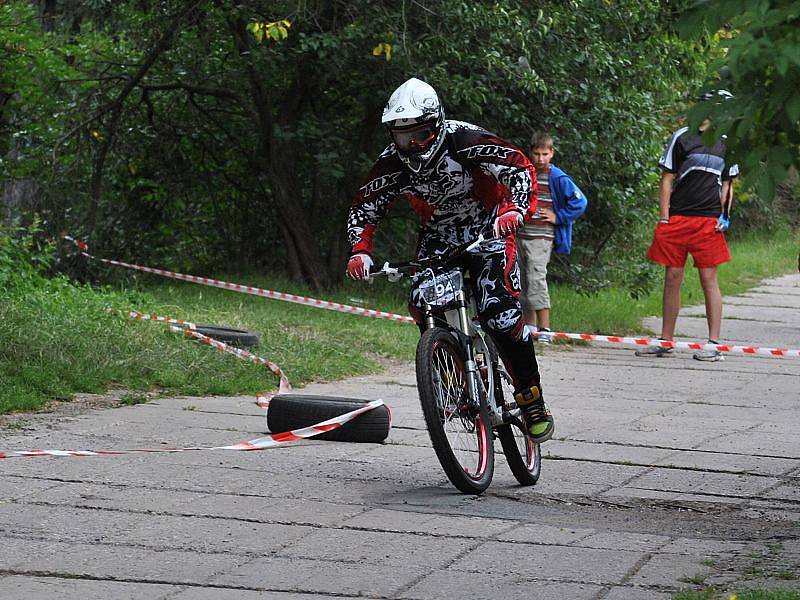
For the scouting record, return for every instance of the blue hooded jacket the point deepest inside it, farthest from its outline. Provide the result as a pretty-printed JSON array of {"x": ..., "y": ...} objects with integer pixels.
[{"x": 569, "y": 203}]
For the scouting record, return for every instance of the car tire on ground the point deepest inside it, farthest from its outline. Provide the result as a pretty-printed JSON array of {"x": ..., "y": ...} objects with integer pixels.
[
  {"x": 235, "y": 337},
  {"x": 287, "y": 412}
]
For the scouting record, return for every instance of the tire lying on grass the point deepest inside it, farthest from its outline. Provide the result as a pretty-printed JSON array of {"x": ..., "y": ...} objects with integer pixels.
[
  {"x": 293, "y": 411},
  {"x": 235, "y": 337}
]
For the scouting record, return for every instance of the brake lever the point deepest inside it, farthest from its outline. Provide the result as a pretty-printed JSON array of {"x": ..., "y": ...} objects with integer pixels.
[{"x": 392, "y": 274}]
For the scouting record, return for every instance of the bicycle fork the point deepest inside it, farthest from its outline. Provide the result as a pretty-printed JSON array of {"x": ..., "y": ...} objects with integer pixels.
[{"x": 473, "y": 385}]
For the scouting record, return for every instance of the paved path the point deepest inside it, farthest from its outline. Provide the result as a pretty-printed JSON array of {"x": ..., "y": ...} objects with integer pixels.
[{"x": 666, "y": 473}]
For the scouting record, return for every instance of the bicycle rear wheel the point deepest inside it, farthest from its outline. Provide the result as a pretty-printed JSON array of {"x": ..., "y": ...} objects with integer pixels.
[{"x": 460, "y": 436}]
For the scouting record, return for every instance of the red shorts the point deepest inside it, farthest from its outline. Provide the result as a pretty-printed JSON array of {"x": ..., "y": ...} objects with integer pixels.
[{"x": 683, "y": 235}]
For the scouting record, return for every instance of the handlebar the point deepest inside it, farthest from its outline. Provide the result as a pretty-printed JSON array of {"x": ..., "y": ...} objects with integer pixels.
[{"x": 395, "y": 271}]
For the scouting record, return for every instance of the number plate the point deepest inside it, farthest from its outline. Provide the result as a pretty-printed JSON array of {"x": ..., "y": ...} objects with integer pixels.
[{"x": 442, "y": 288}]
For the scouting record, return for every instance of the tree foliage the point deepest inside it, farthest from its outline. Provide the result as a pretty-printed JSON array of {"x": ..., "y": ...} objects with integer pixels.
[
  {"x": 210, "y": 135},
  {"x": 762, "y": 65}
]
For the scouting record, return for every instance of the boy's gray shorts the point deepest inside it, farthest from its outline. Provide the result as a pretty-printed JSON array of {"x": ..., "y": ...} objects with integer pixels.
[{"x": 533, "y": 256}]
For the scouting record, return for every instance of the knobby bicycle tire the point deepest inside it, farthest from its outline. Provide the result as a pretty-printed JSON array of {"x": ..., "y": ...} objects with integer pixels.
[
  {"x": 441, "y": 381},
  {"x": 526, "y": 469},
  {"x": 525, "y": 463},
  {"x": 235, "y": 337}
]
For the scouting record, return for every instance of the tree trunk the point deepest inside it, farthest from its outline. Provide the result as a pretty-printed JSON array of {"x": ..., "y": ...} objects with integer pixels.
[
  {"x": 276, "y": 161},
  {"x": 20, "y": 195}
]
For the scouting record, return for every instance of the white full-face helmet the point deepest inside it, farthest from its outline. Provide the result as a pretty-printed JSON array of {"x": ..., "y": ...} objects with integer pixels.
[{"x": 415, "y": 119}]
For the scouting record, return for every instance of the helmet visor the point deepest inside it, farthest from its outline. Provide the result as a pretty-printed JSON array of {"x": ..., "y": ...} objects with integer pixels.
[{"x": 415, "y": 139}]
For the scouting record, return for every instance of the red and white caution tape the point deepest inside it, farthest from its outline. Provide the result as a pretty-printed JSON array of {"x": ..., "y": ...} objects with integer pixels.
[
  {"x": 246, "y": 289},
  {"x": 190, "y": 330},
  {"x": 262, "y": 443},
  {"x": 634, "y": 341},
  {"x": 614, "y": 339}
]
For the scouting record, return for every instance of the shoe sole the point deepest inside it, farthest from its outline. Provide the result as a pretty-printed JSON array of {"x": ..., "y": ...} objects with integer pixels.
[
  {"x": 543, "y": 438},
  {"x": 714, "y": 359}
]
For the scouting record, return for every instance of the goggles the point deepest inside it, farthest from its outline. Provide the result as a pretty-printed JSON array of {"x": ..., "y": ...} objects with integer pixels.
[{"x": 414, "y": 139}]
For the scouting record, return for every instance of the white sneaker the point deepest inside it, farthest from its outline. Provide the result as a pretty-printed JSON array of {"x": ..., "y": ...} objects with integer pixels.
[
  {"x": 657, "y": 351},
  {"x": 545, "y": 336},
  {"x": 708, "y": 355}
]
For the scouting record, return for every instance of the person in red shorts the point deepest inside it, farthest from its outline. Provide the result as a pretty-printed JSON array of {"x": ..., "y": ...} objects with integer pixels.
[{"x": 695, "y": 197}]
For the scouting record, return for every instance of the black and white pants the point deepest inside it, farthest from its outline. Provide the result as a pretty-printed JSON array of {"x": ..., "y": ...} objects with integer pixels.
[{"x": 495, "y": 279}]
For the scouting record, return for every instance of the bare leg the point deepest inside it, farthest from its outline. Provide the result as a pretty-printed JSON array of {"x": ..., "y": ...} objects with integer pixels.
[
  {"x": 543, "y": 318},
  {"x": 673, "y": 278},
  {"x": 530, "y": 317},
  {"x": 708, "y": 279}
]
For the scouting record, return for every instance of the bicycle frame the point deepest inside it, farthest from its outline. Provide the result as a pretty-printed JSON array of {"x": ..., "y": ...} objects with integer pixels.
[
  {"x": 461, "y": 318},
  {"x": 467, "y": 331}
]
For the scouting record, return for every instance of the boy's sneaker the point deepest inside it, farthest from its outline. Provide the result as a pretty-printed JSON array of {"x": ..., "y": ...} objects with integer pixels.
[
  {"x": 658, "y": 351},
  {"x": 535, "y": 415},
  {"x": 545, "y": 336},
  {"x": 709, "y": 355}
]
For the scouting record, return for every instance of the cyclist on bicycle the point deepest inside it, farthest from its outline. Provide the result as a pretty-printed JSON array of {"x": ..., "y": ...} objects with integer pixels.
[{"x": 461, "y": 180}]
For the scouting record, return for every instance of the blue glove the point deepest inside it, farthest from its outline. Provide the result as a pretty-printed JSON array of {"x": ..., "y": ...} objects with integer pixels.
[{"x": 723, "y": 223}]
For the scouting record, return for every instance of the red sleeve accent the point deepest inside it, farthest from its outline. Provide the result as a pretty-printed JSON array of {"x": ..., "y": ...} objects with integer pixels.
[
  {"x": 365, "y": 245},
  {"x": 487, "y": 190},
  {"x": 421, "y": 207},
  {"x": 478, "y": 146}
]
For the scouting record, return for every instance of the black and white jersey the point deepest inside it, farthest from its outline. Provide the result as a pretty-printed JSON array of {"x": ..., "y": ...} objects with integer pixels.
[
  {"x": 475, "y": 177},
  {"x": 699, "y": 172}
]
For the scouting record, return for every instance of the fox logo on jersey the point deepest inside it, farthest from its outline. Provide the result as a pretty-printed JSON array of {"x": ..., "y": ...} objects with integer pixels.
[
  {"x": 380, "y": 183},
  {"x": 485, "y": 151}
]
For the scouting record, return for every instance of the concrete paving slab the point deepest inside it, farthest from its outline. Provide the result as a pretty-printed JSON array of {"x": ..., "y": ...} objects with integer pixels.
[
  {"x": 444, "y": 525},
  {"x": 379, "y": 548},
  {"x": 575, "y": 565},
  {"x": 738, "y": 332},
  {"x": 545, "y": 535},
  {"x": 732, "y": 463},
  {"x": 620, "y": 540},
  {"x": 65, "y": 523},
  {"x": 321, "y": 577},
  {"x": 449, "y": 585},
  {"x": 609, "y": 452},
  {"x": 220, "y": 593},
  {"x": 757, "y": 300},
  {"x": 213, "y": 535},
  {"x": 15, "y": 587},
  {"x": 766, "y": 314},
  {"x": 672, "y": 570},
  {"x": 636, "y": 593},
  {"x": 110, "y": 561},
  {"x": 726, "y": 484}
]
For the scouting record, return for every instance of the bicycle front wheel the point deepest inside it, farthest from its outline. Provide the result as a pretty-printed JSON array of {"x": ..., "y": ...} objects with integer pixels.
[{"x": 462, "y": 439}]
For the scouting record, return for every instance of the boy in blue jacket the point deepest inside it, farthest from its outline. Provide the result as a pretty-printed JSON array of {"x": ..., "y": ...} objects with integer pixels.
[{"x": 550, "y": 226}]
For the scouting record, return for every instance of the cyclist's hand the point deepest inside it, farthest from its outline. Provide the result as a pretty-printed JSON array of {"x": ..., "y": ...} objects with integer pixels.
[
  {"x": 723, "y": 223},
  {"x": 358, "y": 266},
  {"x": 507, "y": 224}
]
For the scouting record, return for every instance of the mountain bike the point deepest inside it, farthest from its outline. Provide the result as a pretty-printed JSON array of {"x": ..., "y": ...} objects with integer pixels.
[{"x": 463, "y": 387}]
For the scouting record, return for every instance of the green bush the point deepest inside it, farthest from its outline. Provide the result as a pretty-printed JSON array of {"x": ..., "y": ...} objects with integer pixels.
[{"x": 23, "y": 258}]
